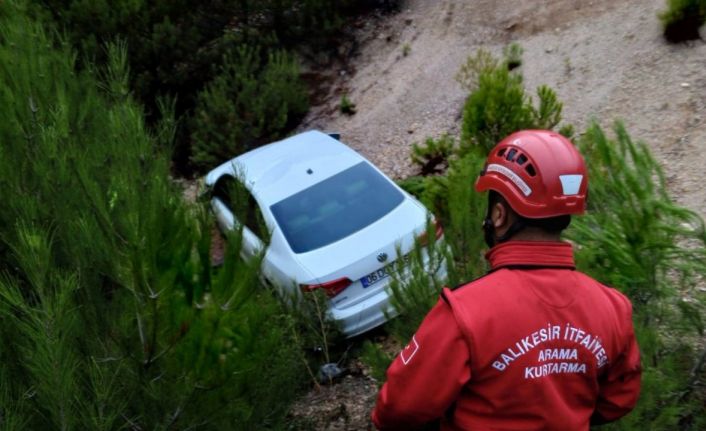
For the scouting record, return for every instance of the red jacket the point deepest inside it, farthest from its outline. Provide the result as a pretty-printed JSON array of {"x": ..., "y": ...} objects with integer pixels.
[{"x": 532, "y": 345}]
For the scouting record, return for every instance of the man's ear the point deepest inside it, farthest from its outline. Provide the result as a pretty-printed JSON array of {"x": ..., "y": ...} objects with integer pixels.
[
  {"x": 502, "y": 217},
  {"x": 499, "y": 215}
]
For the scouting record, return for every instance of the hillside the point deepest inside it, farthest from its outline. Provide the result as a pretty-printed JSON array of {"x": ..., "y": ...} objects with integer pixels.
[{"x": 606, "y": 59}]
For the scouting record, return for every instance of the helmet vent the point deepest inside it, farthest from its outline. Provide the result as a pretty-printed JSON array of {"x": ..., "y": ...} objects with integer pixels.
[
  {"x": 511, "y": 155},
  {"x": 521, "y": 159},
  {"x": 501, "y": 152},
  {"x": 530, "y": 170}
]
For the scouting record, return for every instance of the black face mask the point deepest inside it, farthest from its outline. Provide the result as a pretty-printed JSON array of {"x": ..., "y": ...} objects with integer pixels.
[{"x": 489, "y": 232}]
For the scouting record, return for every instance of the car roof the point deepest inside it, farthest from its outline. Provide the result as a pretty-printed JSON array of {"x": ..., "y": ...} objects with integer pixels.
[{"x": 278, "y": 170}]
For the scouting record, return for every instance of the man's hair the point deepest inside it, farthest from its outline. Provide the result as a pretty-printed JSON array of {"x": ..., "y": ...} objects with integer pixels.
[{"x": 552, "y": 225}]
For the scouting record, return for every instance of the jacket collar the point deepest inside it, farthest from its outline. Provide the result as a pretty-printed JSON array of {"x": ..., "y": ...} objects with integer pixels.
[{"x": 536, "y": 254}]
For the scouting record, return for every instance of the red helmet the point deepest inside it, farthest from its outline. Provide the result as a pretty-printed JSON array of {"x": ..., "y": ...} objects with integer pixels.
[{"x": 539, "y": 173}]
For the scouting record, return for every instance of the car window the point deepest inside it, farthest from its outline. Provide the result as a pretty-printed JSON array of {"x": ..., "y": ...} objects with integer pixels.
[
  {"x": 335, "y": 207},
  {"x": 238, "y": 199}
]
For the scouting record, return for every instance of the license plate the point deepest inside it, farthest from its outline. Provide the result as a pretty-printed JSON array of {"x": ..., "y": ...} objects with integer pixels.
[
  {"x": 379, "y": 274},
  {"x": 374, "y": 277}
]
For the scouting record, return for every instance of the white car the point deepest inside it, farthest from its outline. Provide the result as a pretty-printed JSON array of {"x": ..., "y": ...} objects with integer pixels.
[{"x": 336, "y": 222}]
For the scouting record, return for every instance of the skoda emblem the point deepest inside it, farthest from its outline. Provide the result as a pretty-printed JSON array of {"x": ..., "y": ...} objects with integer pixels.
[{"x": 382, "y": 257}]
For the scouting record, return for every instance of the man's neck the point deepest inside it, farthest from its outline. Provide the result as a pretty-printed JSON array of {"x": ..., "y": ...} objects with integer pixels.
[{"x": 535, "y": 234}]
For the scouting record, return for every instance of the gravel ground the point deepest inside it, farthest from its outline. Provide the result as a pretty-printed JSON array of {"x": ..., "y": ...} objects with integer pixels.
[
  {"x": 344, "y": 406},
  {"x": 607, "y": 60}
]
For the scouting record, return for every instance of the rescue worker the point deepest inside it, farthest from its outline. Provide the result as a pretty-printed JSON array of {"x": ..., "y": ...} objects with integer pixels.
[{"x": 534, "y": 344}]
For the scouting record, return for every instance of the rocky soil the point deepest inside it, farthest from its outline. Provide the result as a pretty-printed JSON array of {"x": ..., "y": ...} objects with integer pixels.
[{"x": 606, "y": 59}]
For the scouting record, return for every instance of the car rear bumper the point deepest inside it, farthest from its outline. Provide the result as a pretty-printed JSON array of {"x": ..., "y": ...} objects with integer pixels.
[
  {"x": 364, "y": 315},
  {"x": 371, "y": 312}
]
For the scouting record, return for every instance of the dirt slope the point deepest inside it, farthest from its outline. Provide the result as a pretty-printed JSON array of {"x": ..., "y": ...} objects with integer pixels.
[{"x": 606, "y": 59}]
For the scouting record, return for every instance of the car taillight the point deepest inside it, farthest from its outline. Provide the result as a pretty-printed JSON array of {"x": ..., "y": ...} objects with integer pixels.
[
  {"x": 424, "y": 240},
  {"x": 332, "y": 288}
]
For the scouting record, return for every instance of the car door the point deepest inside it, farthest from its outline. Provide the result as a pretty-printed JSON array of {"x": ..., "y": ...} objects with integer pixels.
[{"x": 234, "y": 205}]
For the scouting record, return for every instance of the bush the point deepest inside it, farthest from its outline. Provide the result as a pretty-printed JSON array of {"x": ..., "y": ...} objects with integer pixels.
[
  {"x": 317, "y": 336},
  {"x": 406, "y": 49},
  {"x": 377, "y": 359},
  {"x": 414, "y": 185},
  {"x": 172, "y": 44},
  {"x": 433, "y": 156},
  {"x": 176, "y": 47},
  {"x": 111, "y": 315},
  {"x": 513, "y": 55},
  {"x": 247, "y": 104},
  {"x": 465, "y": 211},
  {"x": 346, "y": 106},
  {"x": 682, "y": 19},
  {"x": 460, "y": 209},
  {"x": 414, "y": 287},
  {"x": 498, "y": 104},
  {"x": 635, "y": 238}
]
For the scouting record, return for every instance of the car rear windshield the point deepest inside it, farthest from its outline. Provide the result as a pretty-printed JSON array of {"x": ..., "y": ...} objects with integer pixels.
[{"x": 335, "y": 208}]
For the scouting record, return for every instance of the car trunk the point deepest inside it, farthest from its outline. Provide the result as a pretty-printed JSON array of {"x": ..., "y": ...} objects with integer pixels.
[{"x": 361, "y": 253}]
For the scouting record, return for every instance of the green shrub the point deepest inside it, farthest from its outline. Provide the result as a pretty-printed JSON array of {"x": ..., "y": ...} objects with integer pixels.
[
  {"x": 682, "y": 19},
  {"x": 176, "y": 47},
  {"x": 172, "y": 44},
  {"x": 498, "y": 104},
  {"x": 635, "y": 238},
  {"x": 317, "y": 336},
  {"x": 377, "y": 359},
  {"x": 475, "y": 65},
  {"x": 346, "y": 106},
  {"x": 415, "y": 185},
  {"x": 568, "y": 131},
  {"x": 433, "y": 156},
  {"x": 463, "y": 217},
  {"x": 513, "y": 55},
  {"x": 460, "y": 209},
  {"x": 406, "y": 49},
  {"x": 111, "y": 314},
  {"x": 247, "y": 104},
  {"x": 415, "y": 286}
]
